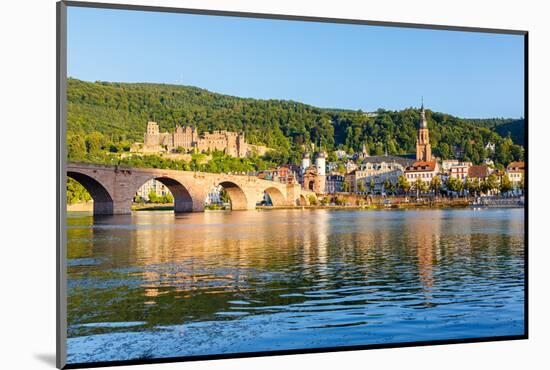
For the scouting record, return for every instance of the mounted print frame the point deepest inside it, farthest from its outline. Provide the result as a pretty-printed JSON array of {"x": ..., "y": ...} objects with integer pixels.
[{"x": 235, "y": 184}]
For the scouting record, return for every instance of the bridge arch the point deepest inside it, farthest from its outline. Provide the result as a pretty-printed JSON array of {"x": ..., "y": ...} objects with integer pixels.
[
  {"x": 277, "y": 197},
  {"x": 183, "y": 202},
  {"x": 302, "y": 201},
  {"x": 239, "y": 201},
  {"x": 103, "y": 200}
]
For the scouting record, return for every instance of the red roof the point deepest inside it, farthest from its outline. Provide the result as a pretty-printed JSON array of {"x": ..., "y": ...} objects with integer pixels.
[
  {"x": 421, "y": 166},
  {"x": 479, "y": 172},
  {"x": 516, "y": 166}
]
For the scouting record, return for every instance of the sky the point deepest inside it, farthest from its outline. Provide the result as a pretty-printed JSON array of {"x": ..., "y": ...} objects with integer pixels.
[{"x": 467, "y": 74}]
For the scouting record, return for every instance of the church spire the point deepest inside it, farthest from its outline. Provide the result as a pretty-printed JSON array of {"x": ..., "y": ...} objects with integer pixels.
[{"x": 423, "y": 122}]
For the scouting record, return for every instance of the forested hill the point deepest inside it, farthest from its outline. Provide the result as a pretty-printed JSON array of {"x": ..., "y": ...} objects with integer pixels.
[{"x": 117, "y": 114}]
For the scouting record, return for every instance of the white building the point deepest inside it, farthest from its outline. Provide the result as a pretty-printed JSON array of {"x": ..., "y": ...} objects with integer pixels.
[
  {"x": 214, "y": 196},
  {"x": 460, "y": 170},
  {"x": 377, "y": 173},
  {"x": 152, "y": 185},
  {"x": 424, "y": 171},
  {"x": 515, "y": 172}
]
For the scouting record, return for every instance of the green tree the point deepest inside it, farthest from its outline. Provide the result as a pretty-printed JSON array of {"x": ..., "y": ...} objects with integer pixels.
[
  {"x": 361, "y": 186},
  {"x": 346, "y": 186},
  {"x": 473, "y": 185},
  {"x": 224, "y": 196},
  {"x": 153, "y": 198},
  {"x": 403, "y": 184},
  {"x": 435, "y": 184},
  {"x": 372, "y": 184},
  {"x": 490, "y": 184},
  {"x": 505, "y": 184},
  {"x": 420, "y": 186},
  {"x": 387, "y": 186},
  {"x": 454, "y": 184}
]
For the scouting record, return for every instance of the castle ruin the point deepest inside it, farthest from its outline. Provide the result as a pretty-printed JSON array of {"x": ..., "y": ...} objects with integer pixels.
[{"x": 187, "y": 139}]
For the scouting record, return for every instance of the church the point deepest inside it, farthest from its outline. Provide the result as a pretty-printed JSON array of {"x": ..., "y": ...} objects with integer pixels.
[
  {"x": 423, "y": 147},
  {"x": 426, "y": 166}
]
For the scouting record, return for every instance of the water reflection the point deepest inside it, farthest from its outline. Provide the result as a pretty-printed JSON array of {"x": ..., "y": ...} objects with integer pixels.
[{"x": 290, "y": 279}]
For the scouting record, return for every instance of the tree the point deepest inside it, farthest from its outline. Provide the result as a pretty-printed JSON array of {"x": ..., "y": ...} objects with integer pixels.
[
  {"x": 420, "y": 186},
  {"x": 341, "y": 168},
  {"x": 505, "y": 184},
  {"x": 489, "y": 184},
  {"x": 224, "y": 196},
  {"x": 361, "y": 186},
  {"x": 444, "y": 150},
  {"x": 346, "y": 186},
  {"x": 387, "y": 185},
  {"x": 372, "y": 184},
  {"x": 153, "y": 198},
  {"x": 76, "y": 146},
  {"x": 454, "y": 184},
  {"x": 76, "y": 193},
  {"x": 473, "y": 185},
  {"x": 312, "y": 200},
  {"x": 118, "y": 111},
  {"x": 435, "y": 184},
  {"x": 379, "y": 149},
  {"x": 94, "y": 142},
  {"x": 403, "y": 184}
]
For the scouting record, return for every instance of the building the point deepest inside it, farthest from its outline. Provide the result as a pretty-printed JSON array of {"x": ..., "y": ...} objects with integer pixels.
[
  {"x": 404, "y": 160},
  {"x": 351, "y": 166},
  {"x": 314, "y": 176},
  {"x": 423, "y": 147},
  {"x": 152, "y": 185},
  {"x": 306, "y": 162},
  {"x": 515, "y": 172},
  {"x": 460, "y": 170},
  {"x": 214, "y": 196},
  {"x": 477, "y": 174},
  {"x": 490, "y": 147},
  {"x": 187, "y": 139},
  {"x": 422, "y": 170},
  {"x": 284, "y": 174},
  {"x": 375, "y": 173},
  {"x": 446, "y": 164},
  {"x": 334, "y": 183},
  {"x": 340, "y": 154},
  {"x": 321, "y": 164}
]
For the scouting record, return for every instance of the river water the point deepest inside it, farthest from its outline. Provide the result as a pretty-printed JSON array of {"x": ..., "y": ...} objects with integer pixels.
[{"x": 154, "y": 284}]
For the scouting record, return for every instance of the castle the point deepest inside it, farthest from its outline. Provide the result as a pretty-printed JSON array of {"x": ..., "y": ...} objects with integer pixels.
[{"x": 187, "y": 139}]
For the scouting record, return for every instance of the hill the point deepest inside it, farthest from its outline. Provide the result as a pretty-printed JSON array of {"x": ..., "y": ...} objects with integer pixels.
[{"x": 108, "y": 115}]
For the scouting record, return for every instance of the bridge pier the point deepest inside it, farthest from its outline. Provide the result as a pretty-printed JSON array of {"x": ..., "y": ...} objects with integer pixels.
[{"x": 103, "y": 208}]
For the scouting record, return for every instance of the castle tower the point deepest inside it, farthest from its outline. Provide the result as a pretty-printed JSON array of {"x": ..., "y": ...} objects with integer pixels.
[
  {"x": 152, "y": 134},
  {"x": 306, "y": 162},
  {"x": 321, "y": 166},
  {"x": 320, "y": 163},
  {"x": 423, "y": 147}
]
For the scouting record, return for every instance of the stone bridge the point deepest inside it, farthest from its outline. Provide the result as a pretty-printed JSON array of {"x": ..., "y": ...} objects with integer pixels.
[{"x": 113, "y": 188}]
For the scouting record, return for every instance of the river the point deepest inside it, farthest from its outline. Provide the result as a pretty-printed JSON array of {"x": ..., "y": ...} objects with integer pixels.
[{"x": 154, "y": 284}]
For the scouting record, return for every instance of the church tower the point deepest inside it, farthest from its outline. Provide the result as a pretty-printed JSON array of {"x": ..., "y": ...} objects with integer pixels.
[{"x": 423, "y": 147}]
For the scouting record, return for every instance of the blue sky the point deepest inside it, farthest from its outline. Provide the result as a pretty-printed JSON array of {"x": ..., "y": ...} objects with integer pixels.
[{"x": 326, "y": 65}]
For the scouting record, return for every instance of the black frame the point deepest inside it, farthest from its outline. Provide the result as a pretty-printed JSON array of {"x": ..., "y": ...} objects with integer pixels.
[{"x": 61, "y": 268}]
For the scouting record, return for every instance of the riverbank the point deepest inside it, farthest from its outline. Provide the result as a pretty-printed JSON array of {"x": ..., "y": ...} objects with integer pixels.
[
  {"x": 80, "y": 207},
  {"x": 383, "y": 203}
]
